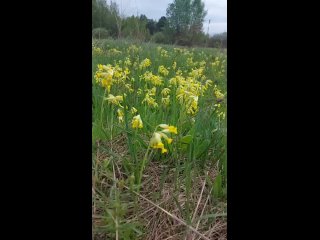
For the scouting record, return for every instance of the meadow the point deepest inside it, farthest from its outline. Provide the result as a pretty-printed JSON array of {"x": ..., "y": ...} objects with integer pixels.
[{"x": 159, "y": 141}]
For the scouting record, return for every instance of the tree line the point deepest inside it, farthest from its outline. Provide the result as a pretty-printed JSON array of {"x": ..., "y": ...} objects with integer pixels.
[{"x": 182, "y": 25}]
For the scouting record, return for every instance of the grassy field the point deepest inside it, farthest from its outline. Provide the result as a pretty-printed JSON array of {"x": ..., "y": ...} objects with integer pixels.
[{"x": 159, "y": 163}]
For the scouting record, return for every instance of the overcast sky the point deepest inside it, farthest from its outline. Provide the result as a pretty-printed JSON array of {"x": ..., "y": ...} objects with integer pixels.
[{"x": 154, "y": 9}]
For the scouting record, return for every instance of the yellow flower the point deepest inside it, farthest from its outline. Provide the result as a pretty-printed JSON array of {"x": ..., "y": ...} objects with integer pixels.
[
  {"x": 169, "y": 140},
  {"x": 164, "y": 53},
  {"x": 104, "y": 75},
  {"x": 114, "y": 51},
  {"x": 114, "y": 99},
  {"x": 163, "y": 70},
  {"x": 165, "y": 91},
  {"x": 174, "y": 65},
  {"x": 208, "y": 83},
  {"x": 97, "y": 51},
  {"x": 139, "y": 92},
  {"x": 167, "y": 128},
  {"x": 145, "y": 63},
  {"x": 189, "y": 61},
  {"x": 133, "y": 110},
  {"x": 127, "y": 62},
  {"x": 126, "y": 71},
  {"x": 156, "y": 142},
  {"x": 137, "y": 122},
  {"x": 120, "y": 115},
  {"x": 163, "y": 150},
  {"x": 150, "y": 101},
  {"x": 166, "y": 100},
  {"x": 218, "y": 93}
]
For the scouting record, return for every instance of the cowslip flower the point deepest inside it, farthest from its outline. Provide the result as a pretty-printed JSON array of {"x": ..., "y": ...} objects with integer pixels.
[
  {"x": 137, "y": 122},
  {"x": 219, "y": 95},
  {"x": 166, "y": 100},
  {"x": 168, "y": 129},
  {"x": 165, "y": 92},
  {"x": 156, "y": 142},
  {"x": 169, "y": 140},
  {"x": 120, "y": 115},
  {"x": 145, "y": 63},
  {"x": 104, "y": 75},
  {"x": 114, "y": 99},
  {"x": 174, "y": 65},
  {"x": 163, "y": 70},
  {"x": 133, "y": 110}
]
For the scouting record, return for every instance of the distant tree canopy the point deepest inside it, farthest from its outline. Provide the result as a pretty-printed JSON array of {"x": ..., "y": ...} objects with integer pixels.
[
  {"x": 182, "y": 24},
  {"x": 185, "y": 19}
]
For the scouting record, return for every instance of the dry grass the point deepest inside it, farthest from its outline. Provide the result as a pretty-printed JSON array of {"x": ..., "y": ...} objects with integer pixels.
[{"x": 158, "y": 225}]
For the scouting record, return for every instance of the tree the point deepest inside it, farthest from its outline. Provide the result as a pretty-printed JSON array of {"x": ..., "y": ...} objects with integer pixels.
[
  {"x": 103, "y": 18},
  {"x": 178, "y": 15},
  {"x": 114, "y": 9},
  {"x": 186, "y": 18},
  {"x": 151, "y": 26},
  {"x": 161, "y": 24},
  {"x": 143, "y": 18},
  {"x": 197, "y": 16}
]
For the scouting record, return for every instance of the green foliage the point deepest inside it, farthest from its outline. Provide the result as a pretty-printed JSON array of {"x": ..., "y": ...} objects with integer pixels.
[
  {"x": 218, "y": 40},
  {"x": 122, "y": 157},
  {"x": 186, "y": 18},
  {"x": 100, "y": 33},
  {"x": 161, "y": 24},
  {"x": 159, "y": 37},
  {"x": 182, "y": 26}
]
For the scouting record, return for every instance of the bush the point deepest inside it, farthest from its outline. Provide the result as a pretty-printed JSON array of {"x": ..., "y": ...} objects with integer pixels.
[
  {"x": 102, "y": 31},
  {"x": 183, "y": 41},
  {"x": 159, "y": 37}
]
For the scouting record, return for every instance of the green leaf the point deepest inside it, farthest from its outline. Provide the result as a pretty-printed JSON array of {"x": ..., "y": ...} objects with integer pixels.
[
  {"x": 186, "y": 139},
  {"x": 217, "y": 186},
  {"x": 202, "y": 148}
]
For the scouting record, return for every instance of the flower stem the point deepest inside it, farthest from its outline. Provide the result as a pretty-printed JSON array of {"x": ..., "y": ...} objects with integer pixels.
[
  {"x": 144, "y": 161},
  {"x": 102, "y": 109}
]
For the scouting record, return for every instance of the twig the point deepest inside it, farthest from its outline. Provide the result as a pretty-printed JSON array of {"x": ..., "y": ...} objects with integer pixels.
[
  {"x": 171, "y": 215},
  {"x": 204, "y": 207},
  {"x": 195, "y": 211}
]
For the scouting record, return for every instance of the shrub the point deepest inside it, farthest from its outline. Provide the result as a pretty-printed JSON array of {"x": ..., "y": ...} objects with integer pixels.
[
  {"x": 159, "y": 37},
  {"x": 100, "y": 31}
]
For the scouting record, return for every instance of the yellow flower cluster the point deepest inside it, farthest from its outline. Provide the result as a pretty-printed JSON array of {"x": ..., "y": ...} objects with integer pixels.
[
  {"x": 97, "y": 51},
  {"x": 137, "y": 122},
  {"x": 120, "y": 115},
  {"x": 150, "y": 77},
  {"x": 188, "y": 94},
  {"x": 104, "y": 75},
  {"x": 150, "y": 101},
  {"x": 145, "y": 63},
  {"x": 107, "y": 75},
  {"x": 218, "y": 94},
  {"x": 197, "y": 73},
  {"x": 114, "y": 51},
  {"x": 162, "y": 70},
  {"x": 174, "y": 65},
  {"x": 156, "y": 90},
  {"x": 164, "y": 53},
  {"x": 116, "y": 100},
  {"x": 156, "y": 141},
  {"x": 133, "y": 49}
]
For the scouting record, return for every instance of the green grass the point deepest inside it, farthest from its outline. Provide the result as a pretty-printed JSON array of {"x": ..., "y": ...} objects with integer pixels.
[{"x": 138, "y": 192}]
